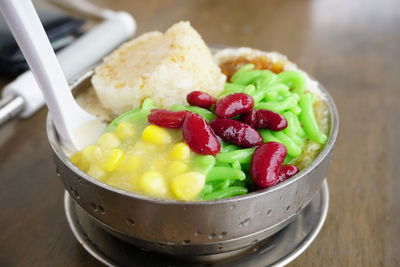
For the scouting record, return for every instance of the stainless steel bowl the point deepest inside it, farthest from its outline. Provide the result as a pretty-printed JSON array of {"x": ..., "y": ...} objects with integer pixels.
[{"x": 194, "y": 228}]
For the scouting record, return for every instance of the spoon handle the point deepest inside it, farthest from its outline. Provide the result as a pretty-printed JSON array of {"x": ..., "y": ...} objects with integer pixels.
[{"x": 28, "y": 31}]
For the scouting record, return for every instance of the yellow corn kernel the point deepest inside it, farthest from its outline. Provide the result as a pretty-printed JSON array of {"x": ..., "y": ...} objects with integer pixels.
[
  {"x": 89, "y": 154},
  {"x": 188, "y": 186},
  {"x": 125, "y": 130},
  {"x": 142, "y": 147},
  {"x": 111, "y": 159},
  {"x": 123, "y": 182},
  {"x": 177, "y": 168},
  {"x": 129, "y": 163},
  {"x": 156, "y": 135},
  {"x": 158, "y": 162},
  {"x": 180, "y": 151},
  {"x": 96, "y": 172},
  {"x": 76, "y": 158},
  {"x": 108, "y": 140},
  {"x": 152, "y": 183}
]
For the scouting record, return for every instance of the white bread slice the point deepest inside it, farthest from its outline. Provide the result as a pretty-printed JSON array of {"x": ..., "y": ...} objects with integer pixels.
[{"x": 165, "y": 67}]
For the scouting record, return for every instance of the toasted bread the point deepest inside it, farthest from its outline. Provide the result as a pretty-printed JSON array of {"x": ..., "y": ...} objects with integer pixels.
[{"x": 165, "y": 67}]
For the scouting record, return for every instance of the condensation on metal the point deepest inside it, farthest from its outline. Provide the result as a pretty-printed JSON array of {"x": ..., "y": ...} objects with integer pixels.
[{"x": 278, "y": 250}]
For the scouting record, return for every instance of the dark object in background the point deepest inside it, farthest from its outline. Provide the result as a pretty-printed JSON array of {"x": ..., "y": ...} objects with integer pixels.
[{"x": 60, "y": 28}]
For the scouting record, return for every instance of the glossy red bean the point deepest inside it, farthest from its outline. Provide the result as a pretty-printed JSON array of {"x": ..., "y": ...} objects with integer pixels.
[
  {"x": 200, "y": 99},
  {"x": 233, "y": 104},
  {"x": 236, "y": 132},
  {"x": 199, "y": 135},
  {"x": 166, "y": 118},
  {"x": 286, "y": 172},
  {"x": 266, "y": 163},
  {"x": 261, "y": 118}
]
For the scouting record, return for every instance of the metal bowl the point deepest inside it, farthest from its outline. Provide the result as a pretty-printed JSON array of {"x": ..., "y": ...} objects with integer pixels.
[{"x": 194, "y": 228}]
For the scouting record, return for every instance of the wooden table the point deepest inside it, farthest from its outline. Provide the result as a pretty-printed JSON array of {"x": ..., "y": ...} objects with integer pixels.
[{"x": 352, "y": 47}]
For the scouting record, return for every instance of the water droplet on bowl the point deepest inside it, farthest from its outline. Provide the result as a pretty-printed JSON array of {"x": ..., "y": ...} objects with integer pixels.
[
  {"x": 211, "y": 236},
  {"x": 94, "y": 206},
  {"x": 101, "y": 209},
  {"x": 130, "y": 222},
  {"x": 221, "y": 235},
  {"x": 245, "y": 222}
]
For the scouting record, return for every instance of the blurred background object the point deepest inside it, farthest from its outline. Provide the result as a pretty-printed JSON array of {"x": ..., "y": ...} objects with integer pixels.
[
  {"x": 22, "y": 97},
  {"x": 84, "y": 8},
  {"x": 61, "y": 29}
]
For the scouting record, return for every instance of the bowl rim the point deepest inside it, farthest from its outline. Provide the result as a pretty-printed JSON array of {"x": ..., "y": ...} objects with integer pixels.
[{"x": 333, "y": 132}]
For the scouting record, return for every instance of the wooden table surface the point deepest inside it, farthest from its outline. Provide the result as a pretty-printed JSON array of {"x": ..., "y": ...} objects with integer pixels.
[{"x": 352, "y": 47}]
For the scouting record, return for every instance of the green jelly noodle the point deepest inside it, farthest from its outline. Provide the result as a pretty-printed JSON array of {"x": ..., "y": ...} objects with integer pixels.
[
  {"x": 285, "y": 93},
  {"x": 227, "y": 174}
]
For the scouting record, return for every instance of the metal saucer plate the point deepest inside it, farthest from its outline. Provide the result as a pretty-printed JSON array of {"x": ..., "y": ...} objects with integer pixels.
[{"x": 278, "y": 250}]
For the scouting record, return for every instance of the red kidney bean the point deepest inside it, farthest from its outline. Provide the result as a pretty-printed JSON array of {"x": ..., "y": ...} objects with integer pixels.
[
  {"x": 286, "y": 172},
  {"x": 166, "y": 118},
  {"x": 200, "y": 99},
  {"x": 261, "y": 118},
  {"x": 233, "y": 104},
  {"x": 236, "y": 132},
  {"x": 289, "y": 170},
  {"x": 250, "y": 118},
  {"x": 199, "y": 136},
  {"x": 266, "y": 163}
]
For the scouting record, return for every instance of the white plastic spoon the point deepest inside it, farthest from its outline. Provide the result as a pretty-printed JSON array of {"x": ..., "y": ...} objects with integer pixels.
[{"x": 68, "y": 117}]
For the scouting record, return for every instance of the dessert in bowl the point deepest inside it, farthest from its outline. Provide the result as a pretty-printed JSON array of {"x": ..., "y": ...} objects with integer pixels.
[{"x": 203, "y": 154}]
